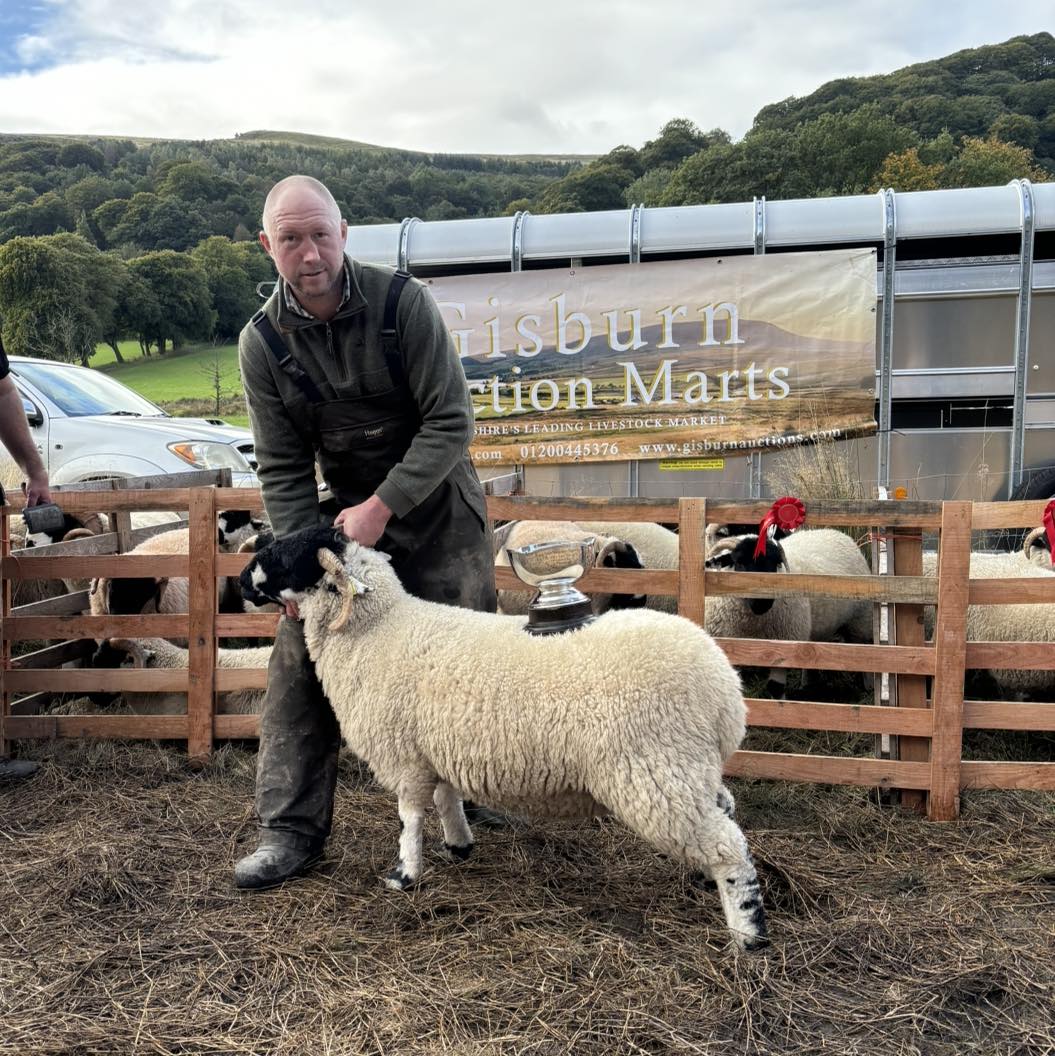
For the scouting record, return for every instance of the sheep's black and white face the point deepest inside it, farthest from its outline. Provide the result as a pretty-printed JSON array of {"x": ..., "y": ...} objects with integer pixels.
[
  {"x": 234, "y": 527},
  {"x": 741, "y": 558},
  {"x": 287, "y": 568}
]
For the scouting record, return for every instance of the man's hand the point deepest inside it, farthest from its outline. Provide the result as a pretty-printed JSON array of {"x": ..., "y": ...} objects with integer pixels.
[
  {"x": 366, "y": 522},
  {"x": 37, "y": 490},
  {"x": 292, "y": 610}
]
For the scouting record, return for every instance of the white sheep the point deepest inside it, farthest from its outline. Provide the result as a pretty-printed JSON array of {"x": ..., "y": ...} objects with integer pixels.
[
  {"x": 1033, "y": 622},
  {"x": 235, "y": 532},
  {"x": 786, "y": 618},
  {"x": 608, "y": 552},
  {"x": 827, "y": 552},
  {"x": 159, "y": 653},
  {"x": 633, "y": 714}
]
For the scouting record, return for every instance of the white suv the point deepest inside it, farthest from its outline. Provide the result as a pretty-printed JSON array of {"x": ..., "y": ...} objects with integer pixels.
[{"x": 86, "y": 426}]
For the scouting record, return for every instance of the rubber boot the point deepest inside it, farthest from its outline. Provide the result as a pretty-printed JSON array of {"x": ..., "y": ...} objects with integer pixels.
[
  {"x": 15, "y": 769},
  {"x": 296, "y": 768},
  {"x": 279, "y": 857}
]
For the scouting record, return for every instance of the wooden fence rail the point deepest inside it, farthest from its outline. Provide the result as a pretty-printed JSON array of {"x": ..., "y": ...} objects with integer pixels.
[{"x": 927, "y": 730}]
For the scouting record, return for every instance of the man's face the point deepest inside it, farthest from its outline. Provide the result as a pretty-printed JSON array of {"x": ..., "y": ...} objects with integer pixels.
[{"x": 305, "y": 238}]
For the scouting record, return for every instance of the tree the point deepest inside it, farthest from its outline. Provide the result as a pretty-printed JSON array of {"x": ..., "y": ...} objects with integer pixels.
[
  {"x": 182, "y": 294},
  {"x": 678, "y": 139},
  {"x": 986, "y": 162},
  {"x": 233, "y": 271},
  {"x": 56, "y": 295},
  {"x": 905, "y": 172}
]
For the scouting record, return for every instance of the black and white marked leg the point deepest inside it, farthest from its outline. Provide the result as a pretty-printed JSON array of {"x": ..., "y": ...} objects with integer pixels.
[
  {"x": 457, "y": 836},
  {"x": 727, "y": 805},
  {"x": 739, "y": 891}
]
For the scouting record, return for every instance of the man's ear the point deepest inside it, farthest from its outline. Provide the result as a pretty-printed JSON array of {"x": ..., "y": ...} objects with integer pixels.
[
  {"x": 344, "y": 232},
  {"x": 265, "y": 242}
]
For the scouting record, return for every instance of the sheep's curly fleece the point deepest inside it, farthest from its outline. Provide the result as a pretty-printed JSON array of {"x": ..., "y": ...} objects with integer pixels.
[
  {"x": 633, "y": 714},
  {"x": 827, "y": 552},
  {"x": 1005, "y": 623}
]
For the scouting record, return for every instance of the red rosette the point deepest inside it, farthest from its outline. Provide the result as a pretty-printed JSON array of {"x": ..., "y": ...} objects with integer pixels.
[
  {"x": 1049, "y": 528},
  {"x": 788, "y": 513}
]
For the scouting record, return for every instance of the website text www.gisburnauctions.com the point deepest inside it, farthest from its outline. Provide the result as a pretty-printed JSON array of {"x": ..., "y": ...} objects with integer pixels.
[{"x": 700, "y": 447}]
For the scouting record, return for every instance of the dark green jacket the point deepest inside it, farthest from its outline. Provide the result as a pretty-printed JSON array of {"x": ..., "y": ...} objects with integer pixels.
[{"x": 339, "y": 355}]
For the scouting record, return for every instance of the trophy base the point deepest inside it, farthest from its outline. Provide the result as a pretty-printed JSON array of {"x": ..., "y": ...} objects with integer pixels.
[{"x": 559, "y": 620}]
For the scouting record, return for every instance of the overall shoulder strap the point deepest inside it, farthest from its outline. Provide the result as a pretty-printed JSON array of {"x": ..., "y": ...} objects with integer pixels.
[
  {"x": 287, "y": 364},
  {"x": 389, "y": 335}
]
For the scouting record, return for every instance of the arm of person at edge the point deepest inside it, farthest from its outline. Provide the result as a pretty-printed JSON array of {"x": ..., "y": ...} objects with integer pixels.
[{"x": 16, "y": 437}]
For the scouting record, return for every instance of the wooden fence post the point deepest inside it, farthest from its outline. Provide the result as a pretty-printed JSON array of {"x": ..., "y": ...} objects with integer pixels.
[
  {"x": 692, "y": 523},
  {"x": 950, "y": 644},
  {"x": 910, "y": 691},
  {"x": 201, "y": 642}
]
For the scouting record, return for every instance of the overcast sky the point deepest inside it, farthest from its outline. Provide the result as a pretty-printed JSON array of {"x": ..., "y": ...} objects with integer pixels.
[{"x": 449, "y": 75}]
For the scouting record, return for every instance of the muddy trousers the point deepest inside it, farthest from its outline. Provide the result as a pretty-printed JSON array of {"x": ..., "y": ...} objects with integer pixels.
[{"x": 296, "y": 770}]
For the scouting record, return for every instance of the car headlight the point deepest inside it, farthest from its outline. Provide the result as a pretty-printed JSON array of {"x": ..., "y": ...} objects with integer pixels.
[{"x": 204, "y": 455}]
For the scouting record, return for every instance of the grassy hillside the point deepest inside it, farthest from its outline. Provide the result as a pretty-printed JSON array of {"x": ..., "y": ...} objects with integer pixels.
[{"x": 183, "y": 383}]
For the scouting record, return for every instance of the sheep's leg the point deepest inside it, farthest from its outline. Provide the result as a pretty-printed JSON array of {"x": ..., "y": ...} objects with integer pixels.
[
  {"x": 777, "y": 686},
  {"x": 727, "y": 805},
  {"x": 457, "y": 836},
  {"x": 681, "y": 823},
  {"x": 413, "y": 800}
]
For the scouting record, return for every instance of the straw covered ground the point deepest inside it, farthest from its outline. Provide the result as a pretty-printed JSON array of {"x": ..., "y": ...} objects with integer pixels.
[{"x": 122, "y": 932}]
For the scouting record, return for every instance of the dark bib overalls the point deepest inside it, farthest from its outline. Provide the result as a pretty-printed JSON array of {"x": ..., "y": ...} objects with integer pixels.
[{"x": 441, "y": 551}]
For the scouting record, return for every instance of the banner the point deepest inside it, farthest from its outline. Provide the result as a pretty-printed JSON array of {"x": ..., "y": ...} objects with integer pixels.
[{"x": 666, "y": 360}]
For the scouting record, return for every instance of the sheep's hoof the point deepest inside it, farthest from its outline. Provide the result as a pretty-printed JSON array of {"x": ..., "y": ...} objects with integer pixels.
[
  {"x": 397, "y": 880},
  {"x": 752, "y": 943},
  {"x": 452, "y": 853}
]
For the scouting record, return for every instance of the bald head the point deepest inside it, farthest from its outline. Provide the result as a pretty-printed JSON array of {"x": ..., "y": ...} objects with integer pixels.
[
  {"x": 298, "y": 188},
  {"x": 304, "y": 235}
]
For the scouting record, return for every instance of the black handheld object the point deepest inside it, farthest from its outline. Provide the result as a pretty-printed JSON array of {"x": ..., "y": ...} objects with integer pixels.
[{"x": 45, "y": 517}]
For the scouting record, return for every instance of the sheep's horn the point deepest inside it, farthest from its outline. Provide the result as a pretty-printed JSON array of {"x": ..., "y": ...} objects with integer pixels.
[
  {"x": 93, "y": 522},
  {"x": 332, "y": 564},
  {"x": 1031, "y": 538},
  {"x": 78, "y": 533},
  {"x": 723, "y": 544}
]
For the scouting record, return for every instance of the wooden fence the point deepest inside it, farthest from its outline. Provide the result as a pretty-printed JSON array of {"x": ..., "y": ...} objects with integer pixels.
[{"x": 927, "y": 730}]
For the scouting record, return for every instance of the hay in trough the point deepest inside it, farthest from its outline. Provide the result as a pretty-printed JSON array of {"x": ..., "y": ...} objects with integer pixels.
[{"x": 122, "y": 932}]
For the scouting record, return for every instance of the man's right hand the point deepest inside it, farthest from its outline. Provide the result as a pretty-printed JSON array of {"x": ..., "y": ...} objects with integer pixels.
[
  {"x": 37, "y": 489},
  {"x": 292, "y": 610}
]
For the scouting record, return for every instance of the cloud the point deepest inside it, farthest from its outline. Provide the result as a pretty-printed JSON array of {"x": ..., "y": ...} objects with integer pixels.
[{"x": 542, "y": 78}]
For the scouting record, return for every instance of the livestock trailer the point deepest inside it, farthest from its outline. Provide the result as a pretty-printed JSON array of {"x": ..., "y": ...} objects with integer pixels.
[{"x": 964, "y": 380}]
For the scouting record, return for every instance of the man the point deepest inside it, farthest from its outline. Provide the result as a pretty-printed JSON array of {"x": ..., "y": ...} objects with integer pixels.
[
  {"x": 389, "y": 419},
  {"x": 15, "y": 436}
]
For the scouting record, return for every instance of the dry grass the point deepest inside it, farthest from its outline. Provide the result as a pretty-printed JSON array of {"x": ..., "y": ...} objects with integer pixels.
[
  {"x": 822, "y": 472},
  {"x": 122, "y": 932}
]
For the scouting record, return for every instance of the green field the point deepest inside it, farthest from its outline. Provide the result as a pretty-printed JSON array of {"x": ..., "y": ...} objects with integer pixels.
[{"x": 181, "y": 382}]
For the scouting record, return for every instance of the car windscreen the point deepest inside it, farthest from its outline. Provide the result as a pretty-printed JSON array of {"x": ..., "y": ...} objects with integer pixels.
[{"x": 78, "y": 391}]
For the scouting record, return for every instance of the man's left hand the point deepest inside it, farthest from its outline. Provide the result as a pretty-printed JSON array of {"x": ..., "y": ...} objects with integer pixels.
[{"x": 366, "y": 522}]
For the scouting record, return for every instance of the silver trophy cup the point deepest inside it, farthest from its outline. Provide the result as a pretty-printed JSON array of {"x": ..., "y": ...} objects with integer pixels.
[{"x": 552, "y": 568}]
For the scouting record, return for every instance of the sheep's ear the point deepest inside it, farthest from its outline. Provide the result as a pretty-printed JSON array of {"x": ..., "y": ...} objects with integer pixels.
[{"x": 384, "y": 557}]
